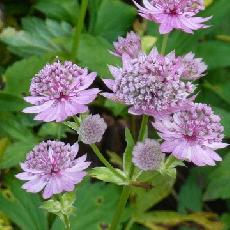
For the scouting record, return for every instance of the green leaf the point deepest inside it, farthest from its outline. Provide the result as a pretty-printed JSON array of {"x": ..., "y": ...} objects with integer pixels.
[
  {"x": 95, "y": 205},
  {"x": 13, "y": 127},
  {"x": 105, "y": 174},
  {"x": 22, "y": 207},
  {"x": 11, "y": 103},
  {"x": 161, "y": 182},
  {"x": 53, "y": 129},
  {"x": 117, "y": 109},
  {"x": 127, "y": 157},
  {"x": 118, "y": 16},
  {"x": 225, "y": 120},
  {"x": 164, "y": 220},
  {"x": 18, "y": 76},
  {"x": 38, "y": 37},
  {"x": 219, "y": 184},
  {"x": 225, "y": 218},
  {"x": 67, "y": 10},
  {"x": 190, "y": 191},
  {"x": 94, "y": 53},
  {"x": 16, "y": 153},
  {"x": 161, "y": 188}
]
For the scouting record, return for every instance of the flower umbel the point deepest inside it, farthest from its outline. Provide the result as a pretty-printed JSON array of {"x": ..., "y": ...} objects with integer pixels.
[
  {"x": 150, "y": 84},
  {"x": 192, "y": 135},
  {"x": 53, "y": 166},
  {"x": 174, "y": 14},
  {"x": 147, "y": 155},
  {"x": 130, "y": 45},
  {"x": 59, "y": 91},
  {"x": 92, "y": 129}
]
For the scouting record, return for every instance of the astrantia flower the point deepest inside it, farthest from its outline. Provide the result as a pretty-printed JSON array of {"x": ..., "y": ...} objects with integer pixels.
[
  {"x": 192, "y": 135},
  {"x": 174, "y": 14},
  {"x": 194, "y": 68},
  {"x": 59, "y": 91},
  {"x": 130, "y": 45},
  {"x": 147, "y": 155},
  {"x": 92, "y": 129},
  {"x": 150, "y": 84},
  {"x": 53, "y": 166}
]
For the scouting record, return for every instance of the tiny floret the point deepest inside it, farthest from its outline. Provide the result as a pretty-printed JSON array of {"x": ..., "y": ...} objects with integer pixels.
[
  {"x": 147, "y": 155},
  {"x": 194, "y": 68},
  {"x": 59, "y": 90},
  {"x": 92, "y": 129},
  {"x": 130, "y": 45},
  {"x": 174, "y": 14},
  {"x": 150, "y": 84},
  {"x": 53, "y": 166},
  {"x": 192, "y": 135}
]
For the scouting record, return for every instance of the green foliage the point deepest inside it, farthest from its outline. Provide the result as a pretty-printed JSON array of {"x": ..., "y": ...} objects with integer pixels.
[
  {"x": 94, "y": 206},
  {"x": 105, "y": 174},
  {"x": 38, "y": 37},
  {"x": 19, "y": 75},
  {"x": 163, "y": 220},
  {"x": 190, "y": 191},
  {"x": 219, "y": 186},
  {"x": 94, "y": 53},
  {"x": 67, "y": 10},
  {"x": 22, "y": 207},
  {"x": 117, "y": 15},
  {"x": 127, "y": 157}
]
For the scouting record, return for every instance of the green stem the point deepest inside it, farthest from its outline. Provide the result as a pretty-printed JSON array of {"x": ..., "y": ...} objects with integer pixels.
[
  {"x": 67, "y": 223},
  {"x": 120, "y": 208},
  {"x": 143, "y": 128},
  {"x": 105, "y": 162},
  {"x": 164, "y": 44},
  {"x": 78, "y": 29},
  {"x": 129, "y": 225}
]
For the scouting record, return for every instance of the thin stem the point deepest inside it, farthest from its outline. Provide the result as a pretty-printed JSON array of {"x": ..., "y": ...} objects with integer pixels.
[
  {"x": 120, "y": 207},
  {"x": 59, "y": 131},
  {"x": 105, "y": 162},
  {"x": 129, "y": 225},
  {"x": 143, "y": 128},
  {"x": 78, "y": 29},
  {"x": 164, "y": 44},
  {"x": 67, "y": 223}
]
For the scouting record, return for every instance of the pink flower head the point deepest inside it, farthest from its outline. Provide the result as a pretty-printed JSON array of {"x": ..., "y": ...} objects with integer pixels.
[
  {"x": 130, "y": 45},
  {"x": 174, "y": 14},
  {"x": 150, "y": 84},
  {"x": 194, "y": 68},
  {"x": 59, "y": 91},
  {"x": 147, "y": 155},
  {"x": 53, "y": 166},
  {"x": 192, "y": 135}
]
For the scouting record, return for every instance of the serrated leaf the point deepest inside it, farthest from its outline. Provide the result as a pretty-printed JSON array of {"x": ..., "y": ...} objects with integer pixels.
[
  {"x": 105, "y": 174},
  {"x": 11, "y": 103},
  {"x": 38, "y": 37},
  {"x": 127, "y": 157}
]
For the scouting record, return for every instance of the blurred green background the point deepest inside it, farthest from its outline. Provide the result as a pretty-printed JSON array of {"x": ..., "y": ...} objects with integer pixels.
[{"x": 34, "y": 33}]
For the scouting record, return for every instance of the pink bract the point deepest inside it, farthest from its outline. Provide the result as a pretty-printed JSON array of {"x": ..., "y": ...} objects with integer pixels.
[
  {"x": 150, "y": 84},
  {"x": 53, "y": 166},
  {"x": 59, "y": 91},
  {"x": 174, "y": 14},
  {"x": 192, "y": 135}
]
